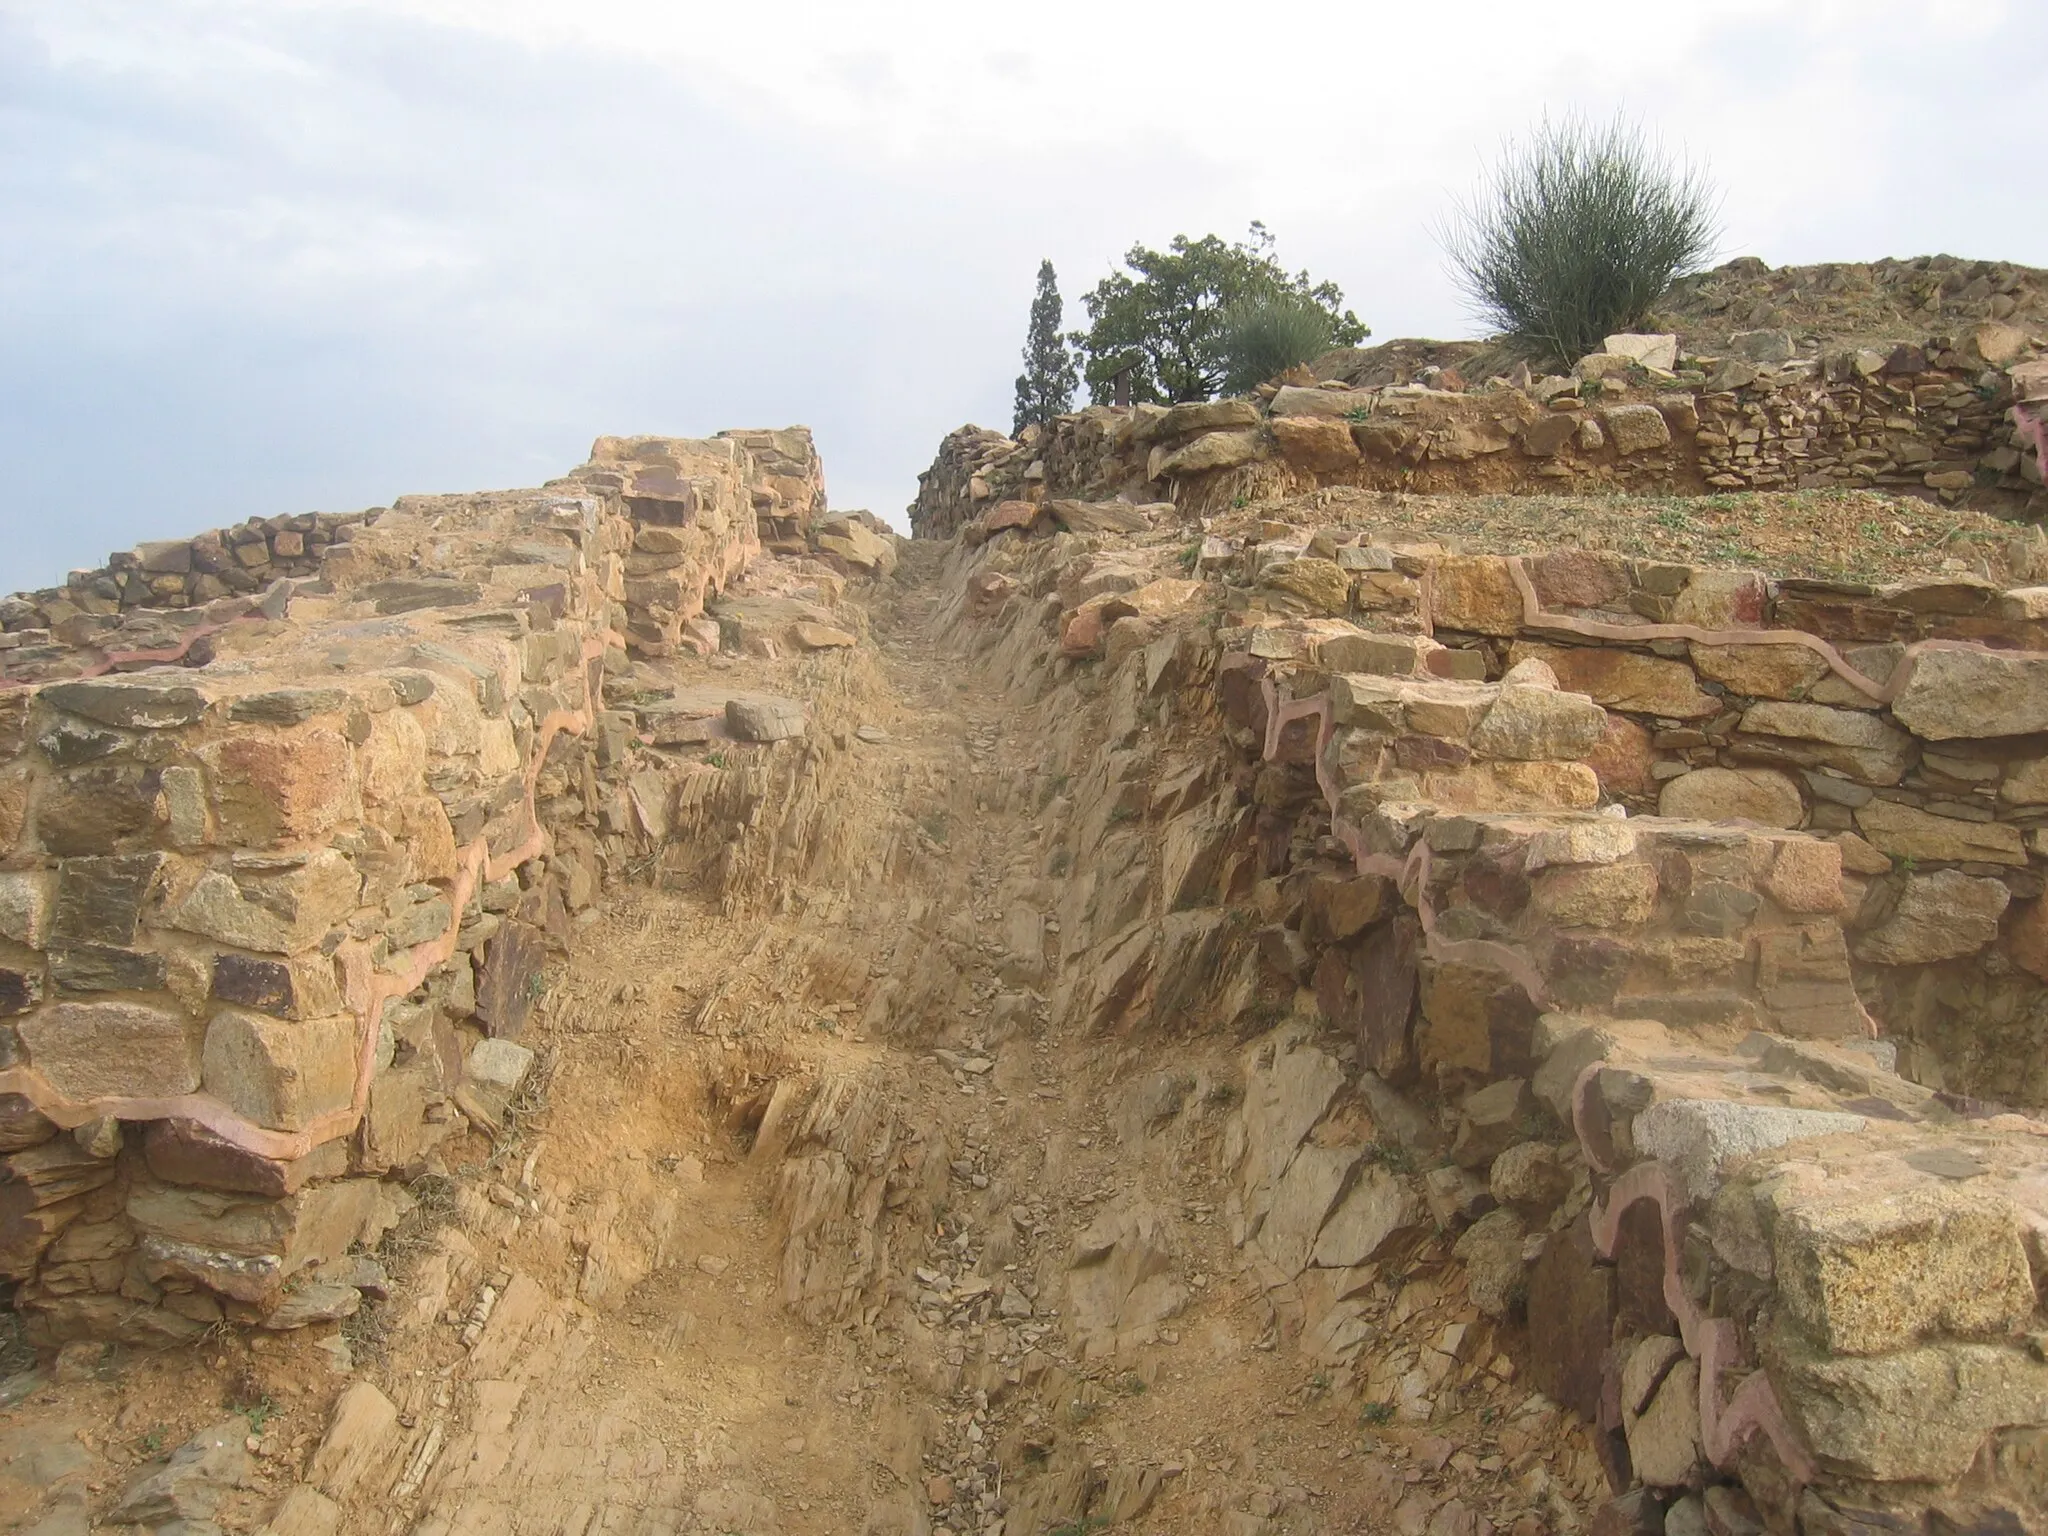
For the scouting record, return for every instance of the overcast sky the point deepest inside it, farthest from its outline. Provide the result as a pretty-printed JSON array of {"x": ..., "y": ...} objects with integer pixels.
[{"x": 263, "y": 256}]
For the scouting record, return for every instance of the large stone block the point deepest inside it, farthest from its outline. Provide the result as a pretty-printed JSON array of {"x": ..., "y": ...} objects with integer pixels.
[
  {"x": 1309, "y": 585},
  {"x": 393, "y": 760},
  {"x": 1698, "y": 1138},
  {"x": 267, "y": 907},
  {"x": 98, "y": 1050},
  {"x": 1598, "y": 896},
  {"x": 1906, "y": 832},
  {"x": 314, "y": 1225},
  {"x": 288, "y": 787},
  {"x": 1530, "y": 724},
  {"x": 1475, "y": 1020},
  {"x": 1761, "y": 671},
  {"x": 1759, "y": 795},
  {"x": 1475, "y": 593},
  {"x": 186, "y": 1152},
  {"x": 100, "y": 900},
  {"x": 1958, "y": 693},
  {"x": 1855, "y": 741},
  {"x": 279, "y": 1073},
  {"x": 98, "y": 809},
  {"x": 1636, "y": 428},
  {"x": 1921, "y": 1415},
  {"x": 129, "y": 703},
  {"x": 1214, "y": 451},
  {"x": 1938, "y": 917},
  {"x": 1722, "y": 600},
  {"x": 1644, "y": 685},
  {"x": 1317, "y": 444},
  {"x": 1871, "y": 1270}
]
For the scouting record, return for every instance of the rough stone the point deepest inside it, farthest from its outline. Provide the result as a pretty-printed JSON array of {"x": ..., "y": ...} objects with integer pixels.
[
  {"x": 1531, "y": 1177},
  {"x": 1906, "y": 832},
  {"x": 1863, "y": 744},
  {"x": 279, "y": 1073},
  {"x": 494, "y": 1074},
  {"x": 1317, "y": 444},
  {"x": 287, "y": 706},
  {"x": 1920, "y": 1415},
  {"x": 112, "y": 1049},
  {"x": 106, "y": 968},
  {"x": 100, "y": 900},
  {"x": 1571, "y": 1320},
  {"x": 1598, "y": 896},
  {"x": 1319, "y": 586},
  {"x": 1938, "y": 917},
  {"x": 1491, "y": 1250},
  {"x": 764, "y": 718},
  {"x": 1382, "y": 655},
  {"x": 133, "y": 704},
  {"x": 1476, "y": 593},
  {"x": 1531, "y": 724},
  {"x": 1381, "y": 1210},
  {"x": 1806, "y": 876},
  {"x": 1214, "y": 451},
  {"x": 1870, "y": 1270},
  {"x": 1491, "y": 1120},
  {"x": 1759, "y": 795},
  {"x": 1645, "y": 685},
  {"x": 1625, "y": 759},
  {"x": 1722, "y": 600},
  {"x": 1636, "y": 428},
  {"x": 288, "y": 787},
  {"x": 362, "y": 1435},
  {"x": 1974, "y": 693},
  {"x": 1664, "y": 1440},
  {"x": 188, "y": 1488},
  {"x": 281, "y": 910},
  {"x": 1697, "y": 1138},
  {"x": 1761, "y": 671},
  {"x": 302, "y": 988}
]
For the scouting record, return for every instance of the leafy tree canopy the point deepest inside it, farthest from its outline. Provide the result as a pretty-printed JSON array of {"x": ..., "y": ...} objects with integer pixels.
[{"x": 1166, "y": 315}]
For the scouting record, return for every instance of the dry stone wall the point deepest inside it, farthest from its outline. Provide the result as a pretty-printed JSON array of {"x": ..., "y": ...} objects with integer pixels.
[
  {"x": 1951, "y": 421},
  {"x": 276, "y": 891},
  {"x": 1640, "y": 1071}
]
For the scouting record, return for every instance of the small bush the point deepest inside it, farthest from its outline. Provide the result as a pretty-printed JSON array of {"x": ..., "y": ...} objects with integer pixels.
[
  {"x": 1575, "y": 234},
  {"x": 1265, "y": 336}
]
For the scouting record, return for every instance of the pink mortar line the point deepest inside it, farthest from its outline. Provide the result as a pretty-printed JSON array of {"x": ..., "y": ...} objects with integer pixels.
[
  {"x": 111, "y": 659},
  {"x": 366, "y": 989},
  {"x": 1713, "y": 1341}
]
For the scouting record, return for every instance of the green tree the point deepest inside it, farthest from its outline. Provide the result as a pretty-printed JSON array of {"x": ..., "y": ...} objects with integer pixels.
[
  {"x": 1576, "y": 233},
  {"x": 1167, "y": 317},
  {"x": 1045, "y": 388}
]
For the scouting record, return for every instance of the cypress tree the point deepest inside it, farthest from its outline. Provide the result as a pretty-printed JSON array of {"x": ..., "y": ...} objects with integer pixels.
[{"x": 1046, "y": 387}]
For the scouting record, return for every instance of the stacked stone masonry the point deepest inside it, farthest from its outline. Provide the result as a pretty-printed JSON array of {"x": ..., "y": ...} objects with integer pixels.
[
  {"x": 1954, "y": 420},
  {"x": 1675, "y": 896},
  {"x": 279, "y": 868}
]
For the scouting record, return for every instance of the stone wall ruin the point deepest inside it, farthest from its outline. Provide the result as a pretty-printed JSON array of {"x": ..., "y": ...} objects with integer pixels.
[
  {"x": 280, "y": 864},
  {"x": 1639, "y": 910}
]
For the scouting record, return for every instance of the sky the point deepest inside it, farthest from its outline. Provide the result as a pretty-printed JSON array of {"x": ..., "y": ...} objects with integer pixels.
[{"x": 267, "y": 256}]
